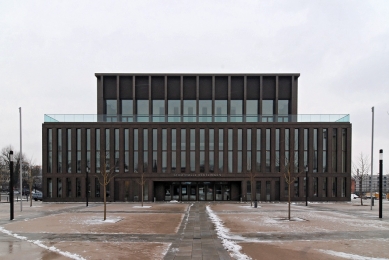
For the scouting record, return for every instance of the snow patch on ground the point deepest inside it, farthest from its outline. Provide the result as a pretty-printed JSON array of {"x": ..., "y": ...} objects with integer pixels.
[
  {"x": 141, "y": 207},
  {"x": 97, "y": 221},
  {"x": 248, "y": 207},
  {"x": 40, "y": 244},
  {"x": 173, "y": 201},
  {"x": 222, "y": 233},
  {"x": 282, "y": 220},
  {"x": 350, "y": 256}
]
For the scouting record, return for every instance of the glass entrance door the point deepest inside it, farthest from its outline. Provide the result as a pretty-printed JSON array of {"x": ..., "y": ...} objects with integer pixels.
[
  {"x": 201, "y": 188},
  {"x": 193, "y": 192}
]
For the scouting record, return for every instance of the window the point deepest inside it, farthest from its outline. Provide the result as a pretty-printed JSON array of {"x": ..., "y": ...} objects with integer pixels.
[
  {"x": 305, "y": 147},
  {"x": 98, "y": 147},
  {"x": 126, "y": 150},
  {"x": 202, "y": 150},
  {"x": 142, "y": 110},
  {"x": 251, "y": 110},
  {"x": 267, "y": 110},
  {"x": 78, "y": 150},
  {"x": 88, "y": 148},
  {"x": 69, "y": 147},
  {"x": 268, "y": 159},
  {"x": 78, "y": 187},
  {"x": 158, "y": 110},
  {"x": 221, "y": 151},
  {"x": 192, "y": 150},
  {"x": 249, "y": 152},
  {"x": 49, "y": 150},
  {"x": 127, "y": 107},
  {"x": 145, "y": 150},
  {"x": 189, "y": 110},
  {"x": 315, "y": 159},
  {"x": 258, "y": 161},
  {"x": 183, "y": 150},
  {"x": 277, "y": 159},
  {"x": 155, "y": 150},
  {"x": 205, "y": 110},
  {"x": 107, "y": 149},
  {"x": 236, "y": 110},
  {"x": 325, "y": 144},
  {"x": 211, "y": 150},
  {"x": 116, "y": 150},
  {"x": 334, "y": 150},
  {"x": 59, "y": 150},
  {"x": 97, "y": 188},
  {"x": 221, "y": 110},
  {"x": 344, "y": 149},
  {"x": 59, "y": 188},
  {"x": 68, "y": 188},
  {"x": 136, "y": 151},
  {"x": 295, "y": 160},
  {"x": 174, "y": 110},
  {"x": 174, "y": 150},
  {"x": 164, "y": 150},
  {"x": 49, "y": 188},
  {"x": 239, "y": 156},
  {"x": 230, "y": 150},
  {"x": 296, "y": 187},
  {"x": 111, "y": 106}
]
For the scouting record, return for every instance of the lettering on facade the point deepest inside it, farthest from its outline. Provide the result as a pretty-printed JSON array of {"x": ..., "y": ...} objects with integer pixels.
[{"x": 197, "y": 175}]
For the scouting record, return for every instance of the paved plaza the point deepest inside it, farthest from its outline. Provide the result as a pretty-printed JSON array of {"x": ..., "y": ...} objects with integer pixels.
[{"x": 198, "y": 230}]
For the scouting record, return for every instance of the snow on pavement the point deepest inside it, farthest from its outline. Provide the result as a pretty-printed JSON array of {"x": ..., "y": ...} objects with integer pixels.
[{"x": 40, "y": 244}]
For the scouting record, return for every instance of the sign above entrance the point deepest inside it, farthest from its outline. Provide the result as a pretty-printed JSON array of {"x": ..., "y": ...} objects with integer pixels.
[{"x": 197, "y": 175}]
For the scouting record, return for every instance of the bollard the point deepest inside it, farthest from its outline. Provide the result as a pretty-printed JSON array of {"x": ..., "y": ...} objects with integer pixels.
[
  {"x": 155, "y": 199},
  {"x": 240, "y": 199},
  {"x": 255, "y": 204}
]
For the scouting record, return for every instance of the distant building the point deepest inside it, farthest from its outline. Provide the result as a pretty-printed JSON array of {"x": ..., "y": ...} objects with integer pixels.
[
  {"x": 197, "y": 137},
  {"x": 374, "y": 184}
]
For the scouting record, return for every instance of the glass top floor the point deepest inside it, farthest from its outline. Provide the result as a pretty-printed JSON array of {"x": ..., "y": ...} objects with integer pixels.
[{"x": 95, "y": 118}]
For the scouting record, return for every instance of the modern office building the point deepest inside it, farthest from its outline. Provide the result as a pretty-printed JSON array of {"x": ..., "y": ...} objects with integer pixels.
[
  {"x": 197, "y": 137},
  {"x": 367, "y": 182}
]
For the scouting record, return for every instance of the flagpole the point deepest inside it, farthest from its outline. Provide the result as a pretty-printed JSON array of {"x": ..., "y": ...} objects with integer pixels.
[
  {"x": 371, "y": 162},
  {"x": 21, "y": 161}
]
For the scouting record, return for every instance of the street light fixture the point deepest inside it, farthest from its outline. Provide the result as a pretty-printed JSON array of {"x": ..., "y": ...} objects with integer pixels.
[
  {"x": 380, "y": 183},
  {"x": 86, "y": 185},
  {"x": 11, "y": 184},
  {"x": 306, "y": 185}
]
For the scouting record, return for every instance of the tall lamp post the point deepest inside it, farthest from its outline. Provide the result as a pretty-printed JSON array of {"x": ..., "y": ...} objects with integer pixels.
[
  {"x": 11, "y": 184},
  {"x": 306, "y": 185},
  {"x": 380, "y": 182},
  {"x": 86, "y": 185}
]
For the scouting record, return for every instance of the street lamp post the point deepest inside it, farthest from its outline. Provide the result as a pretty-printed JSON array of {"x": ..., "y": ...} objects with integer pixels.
[
  {"x": 86, "y": 185},
  {"x": 380, "y": 183},
  {"x": 306, "y": 185},
  {"x": 11, "y": 184}
]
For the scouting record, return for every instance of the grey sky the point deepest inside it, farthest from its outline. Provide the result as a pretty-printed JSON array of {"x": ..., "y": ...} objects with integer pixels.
[{"x": 50, "y": 50}]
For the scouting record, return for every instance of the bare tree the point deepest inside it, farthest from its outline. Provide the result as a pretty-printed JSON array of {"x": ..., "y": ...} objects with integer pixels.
[
  {"x": 290, "y": 174},
  {"x": 4, "y": 158},
  {"x": 31, "y": 176},
  {"x": 107, "y": 173},
  {"x": 142, "y": 183},
  {"x": 361, "y": 168}
]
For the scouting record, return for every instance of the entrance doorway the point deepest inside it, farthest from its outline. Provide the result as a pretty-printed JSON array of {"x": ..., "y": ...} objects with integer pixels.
[{"x": 197, "y": 191}]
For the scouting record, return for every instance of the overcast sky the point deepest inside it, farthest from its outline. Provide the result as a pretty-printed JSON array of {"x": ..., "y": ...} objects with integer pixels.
[{"x": 50, "y": 50}]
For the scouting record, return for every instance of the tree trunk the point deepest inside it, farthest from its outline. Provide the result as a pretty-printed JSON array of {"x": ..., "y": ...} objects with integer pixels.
[
  {"x": 360, "y": 192},
  {"x": 142, "y": 192},
  {"x": 30, "y": 195},
  {"x": 289, "y": 200},
  {"x": 105, "y": 202}
]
